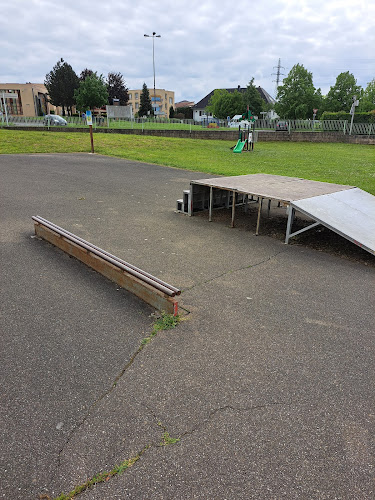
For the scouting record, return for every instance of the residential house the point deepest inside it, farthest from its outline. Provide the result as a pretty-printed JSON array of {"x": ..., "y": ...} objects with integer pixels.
[
  {"x": 199, "y": 110},
  {"x": 184, "y": 104}
]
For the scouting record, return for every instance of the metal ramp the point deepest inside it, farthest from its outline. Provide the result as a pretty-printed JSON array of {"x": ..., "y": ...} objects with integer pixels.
[
  {"x": 349, "y": 213},
  {"x": 346, "y": 210}
]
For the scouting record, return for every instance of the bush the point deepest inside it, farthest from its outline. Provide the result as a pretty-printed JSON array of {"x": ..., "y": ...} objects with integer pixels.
[{"x": 368, "y": 117}]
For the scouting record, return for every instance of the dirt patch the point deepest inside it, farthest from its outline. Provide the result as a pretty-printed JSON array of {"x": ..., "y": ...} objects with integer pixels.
[{"x": 319, "y": 238}]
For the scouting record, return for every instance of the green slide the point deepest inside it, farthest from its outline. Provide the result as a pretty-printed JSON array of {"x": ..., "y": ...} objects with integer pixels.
[{"x": 239, "y": 146}]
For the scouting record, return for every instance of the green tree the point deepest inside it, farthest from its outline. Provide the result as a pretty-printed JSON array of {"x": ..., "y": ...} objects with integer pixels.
[
  {"x": 85, "y": 73},
  {"x": 297, "y": 97},
  {"x": 145, "y": 108},
  {"x": 117, "y": 88},
  {"x": 171, "y": 112},
  {"x": 223, "y": 103},
  {"x": 186, "y": 111},
  {"x": 251, "y": 98},
  {"x": 92, "y": 93},
  {"x": 367, "y": 102},
  {"x": 340, "y": 96},
  {"x": 61, "y": 83}
]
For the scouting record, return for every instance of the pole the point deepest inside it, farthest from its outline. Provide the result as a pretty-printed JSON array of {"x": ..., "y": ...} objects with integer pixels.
[
  {"x": 5, "y": 109},
  {"x": 351, "y": 123},
  {"x": 91, "y": 139},
  {"x": 153, "y": 65},
  {"x": 153, "y": 36}
]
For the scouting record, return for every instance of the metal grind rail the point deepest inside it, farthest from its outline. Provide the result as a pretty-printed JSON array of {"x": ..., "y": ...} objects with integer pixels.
[{"x": 152, "y": 290}]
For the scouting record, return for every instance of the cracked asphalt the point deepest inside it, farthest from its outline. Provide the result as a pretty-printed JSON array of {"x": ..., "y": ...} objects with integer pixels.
[{"x": 267, "y": 383}]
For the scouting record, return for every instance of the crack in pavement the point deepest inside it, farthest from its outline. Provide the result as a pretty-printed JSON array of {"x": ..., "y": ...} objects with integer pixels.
[
  {"x": 213, "y": 413},
  {"x": 233, "y": 271},
  {"x": 166, "y": 436},
  {"x": 79, "y": 424}
]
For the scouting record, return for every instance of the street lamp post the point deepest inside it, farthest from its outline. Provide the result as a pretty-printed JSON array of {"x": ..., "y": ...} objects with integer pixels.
[{"x": 153, "y": 36}]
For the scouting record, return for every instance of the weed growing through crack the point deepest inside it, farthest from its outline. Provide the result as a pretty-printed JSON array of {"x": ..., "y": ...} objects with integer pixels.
[
  {"x": 99, "y": 478},
  {"x": 167, "y": 439},
  {"x": 165, "y": 322}
]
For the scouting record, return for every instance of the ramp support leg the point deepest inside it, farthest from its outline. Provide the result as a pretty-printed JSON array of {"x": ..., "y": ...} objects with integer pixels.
[
  {"x": 191, "y": 201},
  {"x": 289, "y": 224},
  {"x": 210, "y": 205},
  {"x": 260, "y": 203},
  {"x": 289, "y": 234},
  {"x": 233, "y": 208}
]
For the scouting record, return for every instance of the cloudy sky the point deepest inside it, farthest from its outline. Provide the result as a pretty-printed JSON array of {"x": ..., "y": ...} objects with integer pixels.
[{"x": 204, "y": 44}]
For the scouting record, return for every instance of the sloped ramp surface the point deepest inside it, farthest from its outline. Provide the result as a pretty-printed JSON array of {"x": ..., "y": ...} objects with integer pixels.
[{"x": 350, "y": 213}]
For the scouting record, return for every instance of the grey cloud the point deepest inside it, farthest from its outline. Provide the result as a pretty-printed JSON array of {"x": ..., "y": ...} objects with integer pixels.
[{"x": 204, "y": 45}]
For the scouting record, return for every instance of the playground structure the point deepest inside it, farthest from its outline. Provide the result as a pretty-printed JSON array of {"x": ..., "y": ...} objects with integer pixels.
[
  {"x": 246, "y": 133},
  {"x": 247, "y": 137}
]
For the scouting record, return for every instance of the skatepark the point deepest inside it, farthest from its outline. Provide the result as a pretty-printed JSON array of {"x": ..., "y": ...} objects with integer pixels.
[{"x": 263, "y": 390}]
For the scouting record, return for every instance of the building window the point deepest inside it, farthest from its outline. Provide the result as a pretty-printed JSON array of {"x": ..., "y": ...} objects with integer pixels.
[
  {"x": 14, "y": 106},
  {"x": 130, "y": 96},
  {"x": 136, "y": 105},
  {"x": 200, "y": 113},
  {"x": 165, "y": 96},
  {"x": 170, "y": 100},
  {"x": 136, "y": 95}
]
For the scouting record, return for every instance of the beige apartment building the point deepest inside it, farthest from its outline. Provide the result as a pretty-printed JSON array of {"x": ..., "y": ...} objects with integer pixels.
[
  {"x": 161, "y": 102},
  {"x": 32, "y": 99}
]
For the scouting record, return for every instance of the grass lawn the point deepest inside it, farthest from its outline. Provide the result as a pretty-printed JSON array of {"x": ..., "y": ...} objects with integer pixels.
[{"x": 352, "y": 164}]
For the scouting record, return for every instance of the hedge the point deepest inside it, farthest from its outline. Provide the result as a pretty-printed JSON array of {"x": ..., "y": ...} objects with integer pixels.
[{"x": 368, "y": 117}]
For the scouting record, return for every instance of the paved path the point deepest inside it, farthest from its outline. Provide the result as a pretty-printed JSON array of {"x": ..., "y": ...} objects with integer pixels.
[{"x": 267, "y": 383}]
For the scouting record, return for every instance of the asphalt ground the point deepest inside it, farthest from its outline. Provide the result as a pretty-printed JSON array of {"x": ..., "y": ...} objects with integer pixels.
[{"x": 266, "y": 385}]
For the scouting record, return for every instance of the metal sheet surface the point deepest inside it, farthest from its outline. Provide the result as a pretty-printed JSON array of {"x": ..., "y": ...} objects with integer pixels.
[
  {"x": 275, "y": 187},
  {"x": 350, "y": 213}
]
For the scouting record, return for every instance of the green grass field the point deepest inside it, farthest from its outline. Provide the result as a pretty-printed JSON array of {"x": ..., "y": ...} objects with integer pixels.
[{"x": 352, "y": 164}]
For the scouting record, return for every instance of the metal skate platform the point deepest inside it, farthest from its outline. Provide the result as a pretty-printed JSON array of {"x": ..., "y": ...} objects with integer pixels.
[{"x": 346, "y": 210}]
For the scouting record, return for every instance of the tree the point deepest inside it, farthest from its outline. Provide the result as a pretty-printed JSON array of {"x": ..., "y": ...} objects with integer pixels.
[
  {"x": 92, "y": 93},
  {"x": 85, "y": 73},
  {"x": 186, "y": 112},
  {"x": 145, "y": 107},
  {"x": 223, "y": 103},
  {"x": 297, "y": 97},
  {"x": 61, "y": 84},
  {"x": 367, "y": 102},
  {"x": 251, "y": 98},
  {"x": 171, "y": 112},
  {"x": 117, "y": 88},
  {"x": 340, "y": 96}
]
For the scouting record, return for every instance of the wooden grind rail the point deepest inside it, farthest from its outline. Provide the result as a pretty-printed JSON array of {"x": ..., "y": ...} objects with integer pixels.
[{"x": 152, "y": 290}]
